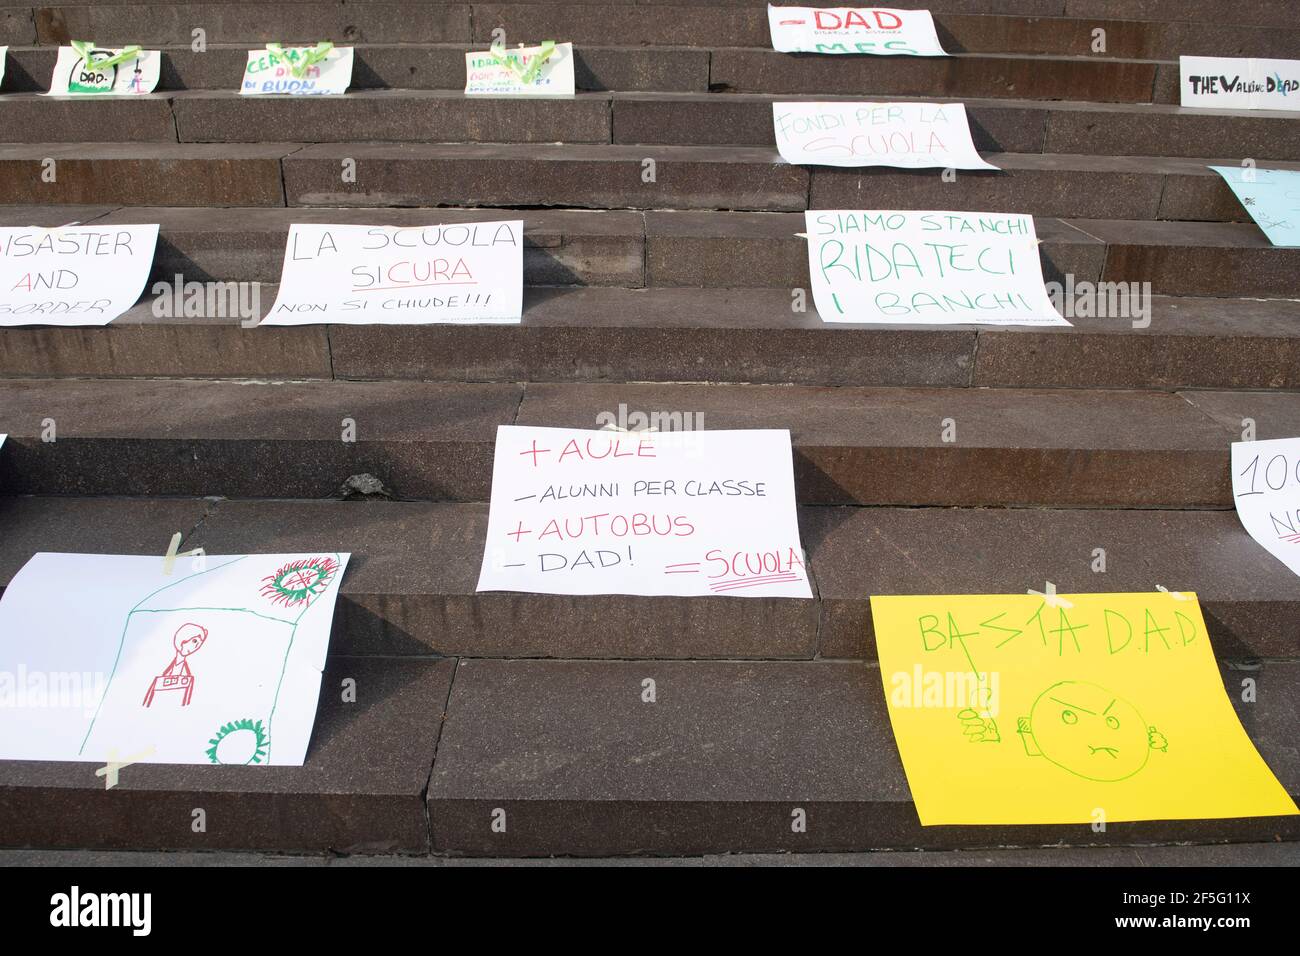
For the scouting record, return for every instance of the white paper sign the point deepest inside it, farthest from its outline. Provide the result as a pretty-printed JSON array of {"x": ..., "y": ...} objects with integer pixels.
[
  {"x": 217, "y": 663},
  {"x": 486, "y": 75},
  {"x": 4, "y": 56},
  {"x": 908, "y": 135},
  {"x": 891, "y": 266},
  {"x": 276, "y": 72},
  {"x": 677, "y": 513},
  {"x": 1266, "y": 488},
  {"x": 875, "y": 30},
  {"x": 1240, "y": 83},
  {"x": 362, "y": 275},
  {"x": 73, "y": 275},
  {"x": 134, "y": 76}
]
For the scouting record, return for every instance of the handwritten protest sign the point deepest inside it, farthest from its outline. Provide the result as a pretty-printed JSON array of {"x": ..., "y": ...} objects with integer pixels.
[
  {"x": 1271, "y": 196},
  {"x": 73, "y": 275},
  {"x": 681, "y": 513},
  {"x": 874, "y": 30},
  {"x": 545, "y": 70},
  {"x": 931, "y": 268},
  {"x": 4, "y": 56},
  {"x": 298, "y": 71},
  {"x": 909, "y": 135},
  {"x": 218, "y": 662},
  {"x": 360, "y": 275},
  {"x": 1239, "y": 83},
  {"x": 87, "y": 70},
  {"x": 1266, "y": 489},
  {"x": 1107, "y": 708}
]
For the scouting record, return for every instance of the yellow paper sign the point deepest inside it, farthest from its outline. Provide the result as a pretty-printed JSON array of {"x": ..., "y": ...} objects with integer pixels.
[{"x": 1010, "y": 710}]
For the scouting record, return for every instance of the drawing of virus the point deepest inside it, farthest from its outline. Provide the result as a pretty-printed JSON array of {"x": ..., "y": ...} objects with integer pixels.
[
  {"x": 239, "y": 742},
  {"x": 299, "y": 581}
]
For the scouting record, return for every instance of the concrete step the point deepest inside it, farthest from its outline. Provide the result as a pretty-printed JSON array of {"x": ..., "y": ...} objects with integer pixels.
[
  {"x": 410, "y": 589},
  {"x": 597, "y": 176},
  {"x": 433, "y": 441},
  {"x": 577, "y": 763},
  {"x": 665, "y": 119},
  {"x": 694, "y": 335},
  {"x": 361, "y": 790}
]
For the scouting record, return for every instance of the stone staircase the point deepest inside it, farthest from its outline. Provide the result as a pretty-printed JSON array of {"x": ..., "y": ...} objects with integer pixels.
[{"x": 672, "y": 295}]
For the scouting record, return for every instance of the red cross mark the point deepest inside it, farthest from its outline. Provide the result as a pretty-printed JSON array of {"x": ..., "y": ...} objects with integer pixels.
[
  {"x": 534, "y": 451},
  {"x": 519, "y": 531}
]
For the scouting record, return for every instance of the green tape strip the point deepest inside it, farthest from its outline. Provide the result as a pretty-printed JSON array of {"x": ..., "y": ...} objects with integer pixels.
[
  {"x": 86, "y": 50},
  {"x": 311, "y": 57},
  {"x": 528, "y": 76}
]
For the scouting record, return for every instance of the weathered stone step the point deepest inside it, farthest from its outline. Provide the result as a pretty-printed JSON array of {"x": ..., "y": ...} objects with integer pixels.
[
  {"x": 693, "y": 335},
  {"x": 562, "y": 247},
  {"x": 398, "y": 66},
  {"x": 1020, "y": 77},
  {"x": 710, "y": 23},
  {"x": 664, "y": 119},
  {"x": 879, "y": 446},
  {"x": 1001, "y": 126},
  {"x": 625, "y": 67},
  {"x": 598, "y": 176},
  {"x": 574, "y": 761},
  {"x": 560, "y": 749},
  {"x": 361, "y": 790},
  {"x": 410, "y": 589},
  {"x": 691, "y": 248}
]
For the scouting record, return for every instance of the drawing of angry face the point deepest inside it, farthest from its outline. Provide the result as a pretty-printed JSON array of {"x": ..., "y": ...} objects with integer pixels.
[{"x": 1087, "y": 730}]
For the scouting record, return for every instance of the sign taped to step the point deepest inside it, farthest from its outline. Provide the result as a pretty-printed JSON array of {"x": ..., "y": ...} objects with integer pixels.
[
  {"x": 1271, "y": 196},
  {"x": 1101, "y": 709},
  {"x": 298, "y": 71},
  {"x": 106, "y": 657},
  {"x": 363, "y": 275},
  {"x": 4, "y": 59},
  {"x": 73, "y": 275},
  {"x": 1239, "y": 83},
  {"x": 906, "y": 135},
  {"x": 681, "y": 513},
  {"x": 903, "y": 267},
  {"x": 872, "y": 30},
  {"x": 1266, "y": 490},
  {"x": 545, "y": 70},
  {"x": 105, "y": 71}
]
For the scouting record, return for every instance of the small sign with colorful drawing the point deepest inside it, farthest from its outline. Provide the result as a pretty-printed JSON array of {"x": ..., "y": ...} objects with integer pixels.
[
  {"x": 219, "y": 662},
  {"x": 319, "y": 70},
  {"x": 545, "y": 70},
  {"x": 84, "y": 69},
  {"x": 1070, "y": 708}
]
